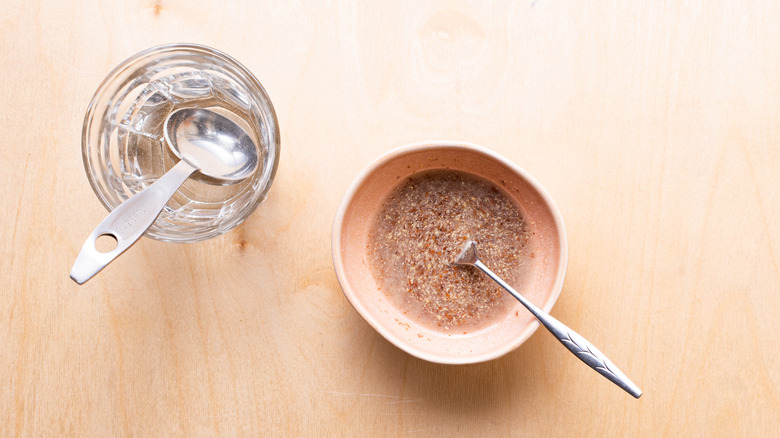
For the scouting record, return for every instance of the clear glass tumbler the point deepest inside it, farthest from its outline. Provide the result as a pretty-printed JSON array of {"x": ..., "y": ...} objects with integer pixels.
[{"x": 124, "y": 149}]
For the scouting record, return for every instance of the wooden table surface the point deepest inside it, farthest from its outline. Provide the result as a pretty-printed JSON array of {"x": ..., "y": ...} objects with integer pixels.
[{"x": 654, "y": 125}]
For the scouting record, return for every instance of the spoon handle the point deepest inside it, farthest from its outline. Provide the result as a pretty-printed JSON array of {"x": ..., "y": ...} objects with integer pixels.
[
  {"x": 128, "y": 222},
  {"x": 581, "y": 348}
]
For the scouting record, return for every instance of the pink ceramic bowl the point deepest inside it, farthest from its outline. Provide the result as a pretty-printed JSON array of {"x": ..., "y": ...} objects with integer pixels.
[{"x": 362, "y": 203}]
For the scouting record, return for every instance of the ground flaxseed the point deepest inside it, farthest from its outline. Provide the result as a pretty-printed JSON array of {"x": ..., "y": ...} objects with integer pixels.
[{"x": 421, "y": 229}]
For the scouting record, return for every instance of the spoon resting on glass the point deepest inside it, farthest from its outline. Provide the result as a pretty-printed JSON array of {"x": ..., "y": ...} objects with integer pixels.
[
  {"x": 205, "y": 142},
  {"x": 581, "y": 348}
]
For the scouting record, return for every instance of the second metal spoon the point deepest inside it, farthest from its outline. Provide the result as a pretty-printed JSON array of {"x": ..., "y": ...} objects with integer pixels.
[{"x": 571, "y": 340}]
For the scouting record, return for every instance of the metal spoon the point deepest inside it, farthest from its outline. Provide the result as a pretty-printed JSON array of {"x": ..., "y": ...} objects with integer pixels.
[
  {"x": 571, "y": 340},
  {"x": 204, "y": 141}
]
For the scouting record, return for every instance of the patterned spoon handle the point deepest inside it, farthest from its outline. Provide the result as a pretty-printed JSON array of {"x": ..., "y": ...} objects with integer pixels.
[{"x": 570, "y": 339}]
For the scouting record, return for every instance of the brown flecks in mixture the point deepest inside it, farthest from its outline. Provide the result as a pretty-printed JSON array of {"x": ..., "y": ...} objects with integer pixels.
[{"x": 421, "y": 229}]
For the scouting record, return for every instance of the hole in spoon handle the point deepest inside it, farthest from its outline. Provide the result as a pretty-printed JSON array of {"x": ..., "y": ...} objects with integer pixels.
[{"x": 106, "y": 243}]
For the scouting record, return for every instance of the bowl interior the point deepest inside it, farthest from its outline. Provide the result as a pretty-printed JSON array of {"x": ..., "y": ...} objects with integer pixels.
[{"x": 543, "y": 279}]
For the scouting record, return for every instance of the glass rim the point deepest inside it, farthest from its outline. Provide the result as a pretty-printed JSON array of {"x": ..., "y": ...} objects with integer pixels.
[{"x": 127, "y": 66}]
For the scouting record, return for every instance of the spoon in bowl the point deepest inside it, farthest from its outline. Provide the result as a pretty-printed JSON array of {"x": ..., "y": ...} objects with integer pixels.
[
  {"x": 205, "y": 141},
  {"x": 581, "y": 348}
]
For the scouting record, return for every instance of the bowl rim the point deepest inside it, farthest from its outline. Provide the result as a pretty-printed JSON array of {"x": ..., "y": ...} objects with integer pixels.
[{"x": 349, "y": 293}]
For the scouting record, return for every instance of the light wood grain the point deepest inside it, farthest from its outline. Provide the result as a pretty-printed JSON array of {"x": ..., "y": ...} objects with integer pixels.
[{"x": 654, "y": 125}]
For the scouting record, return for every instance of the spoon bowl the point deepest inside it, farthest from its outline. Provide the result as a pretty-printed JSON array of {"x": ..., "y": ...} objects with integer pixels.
[{"x": 212, "y": 143}]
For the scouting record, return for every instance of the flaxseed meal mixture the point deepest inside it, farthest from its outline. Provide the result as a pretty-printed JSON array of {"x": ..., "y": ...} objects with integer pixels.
[{"x": 422, "y": 228}]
